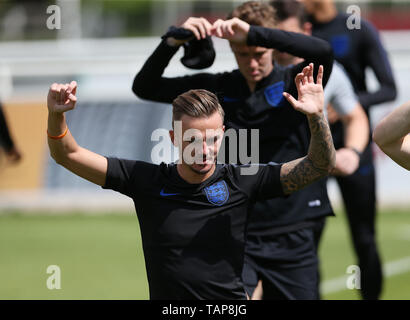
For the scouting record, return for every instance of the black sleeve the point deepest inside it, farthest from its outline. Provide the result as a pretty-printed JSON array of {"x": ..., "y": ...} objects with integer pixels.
[
  {"x": 149, "y": 83},
  {"x": 125, "y": 176},
  {"x": 376, "y": 57},
  {"x": 5, "y": 139},
  {"x": 310, "y": 48},
  {"x": 261, "y": 182}
]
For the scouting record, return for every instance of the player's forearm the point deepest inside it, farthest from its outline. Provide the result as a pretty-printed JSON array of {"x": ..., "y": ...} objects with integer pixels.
[
  {"x": 321, "y": 157},
  {"x": 310, "y": 48},
  {"x": 60, "y": 149},
  {"x": 399, "y": 151},
  {"x": 148, "y": 80},
  {"x": 377, "y": 59},
  {"x": 321, "y": 149},
  {"x": 394, "y": 127},
  {"x": 386, "y": 93},
  {"x": 356, "y": 130},
  {"x": 320, "y": 160}
]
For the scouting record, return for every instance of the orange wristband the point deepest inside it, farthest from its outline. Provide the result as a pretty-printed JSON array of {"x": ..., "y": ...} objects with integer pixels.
[{"x": 58, "y": 137}]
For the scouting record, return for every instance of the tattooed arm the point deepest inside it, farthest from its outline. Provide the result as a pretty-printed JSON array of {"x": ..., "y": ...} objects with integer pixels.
[{"x": 321, "y": 156}]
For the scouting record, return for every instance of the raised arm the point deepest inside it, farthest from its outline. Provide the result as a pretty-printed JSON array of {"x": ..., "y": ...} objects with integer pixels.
[
  {"x": 376, "y": 58},
  {"x": 344, "y": 105},
  {"x": 320, "y": 159},
  {"x": 63, "y": 148},
  {"x": 356, "y": 137},
  {"x": 392, "y": 135},
  {"x": 150, "y": 84},
  {"x": 312, "y": 49}
]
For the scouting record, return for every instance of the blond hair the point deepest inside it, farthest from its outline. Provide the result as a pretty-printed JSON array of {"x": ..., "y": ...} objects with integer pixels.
[{"x": 196, "y": 103}]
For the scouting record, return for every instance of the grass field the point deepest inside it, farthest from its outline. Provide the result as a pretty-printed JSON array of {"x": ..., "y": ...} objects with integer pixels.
[{"x": 100, "y": 256}]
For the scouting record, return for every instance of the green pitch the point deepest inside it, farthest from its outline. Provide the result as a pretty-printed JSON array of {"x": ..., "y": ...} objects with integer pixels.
[{"x": 100, "y": 256}]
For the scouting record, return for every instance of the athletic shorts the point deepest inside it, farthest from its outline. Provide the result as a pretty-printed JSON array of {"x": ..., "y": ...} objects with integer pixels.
[{"x": 286, "y": 263}]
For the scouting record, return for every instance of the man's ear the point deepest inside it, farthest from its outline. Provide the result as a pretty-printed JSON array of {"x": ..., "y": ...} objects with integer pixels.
[{"x": 307, "y": 28}]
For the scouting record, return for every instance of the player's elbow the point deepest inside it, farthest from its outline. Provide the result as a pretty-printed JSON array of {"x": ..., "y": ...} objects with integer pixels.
[
  {"x": 327, "y": 53},
  {"x": 380, "y": 134},
  {"x": 382, "y": 140},
  {"x": 137, "y": 88},
  {"x": 63, "y": 156},
  {"x": 328, "y": 50},
  {"x": 387, "y": 91},
  {"x": 59, "y": 158},
  {"x": 140, "y": 89},
  {"x": 391, "y": 92},
  {"x": 326, "y": 59},
  {"x": 378, "y": 137}
]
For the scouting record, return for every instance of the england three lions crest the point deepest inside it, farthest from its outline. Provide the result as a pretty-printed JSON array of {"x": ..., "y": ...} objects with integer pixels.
[{"x": 217, "y": 193}]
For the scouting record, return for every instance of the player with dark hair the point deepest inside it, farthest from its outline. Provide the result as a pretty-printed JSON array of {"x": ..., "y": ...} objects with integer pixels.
[
  {"x": 339, "y": 93},
  {"x": 6, "y": 142},
  {"x": 392, "y": 135},
  {"x": 358, "y": 49},
  {"x": 285, "y": 9},
  {"x": 291, "y": 16},
  {"x": 193, "y": 215},
  {"x": 252, "y": 99}
]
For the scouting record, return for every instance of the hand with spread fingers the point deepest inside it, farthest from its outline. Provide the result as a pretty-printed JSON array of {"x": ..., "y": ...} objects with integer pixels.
[
  {"x": 310, "y": 94},
  {"x": 321, "y": 157}
]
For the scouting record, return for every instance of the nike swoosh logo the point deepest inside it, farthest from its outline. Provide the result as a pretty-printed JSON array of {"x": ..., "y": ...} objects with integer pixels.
[
  {"x": 314, "y": 203},
  {"x": 164, "y": 194}
]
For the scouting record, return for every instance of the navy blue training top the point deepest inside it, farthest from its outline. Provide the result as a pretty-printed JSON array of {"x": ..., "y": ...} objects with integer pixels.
[
  {"x": 284, "y": 133},
  {"x": 193, "y": 235},
  {"x": 356, "y": 50}
]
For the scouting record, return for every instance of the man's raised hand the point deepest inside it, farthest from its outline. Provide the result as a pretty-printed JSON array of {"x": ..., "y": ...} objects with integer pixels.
[
  {"x": 310, "y": 94},
  {"x": 200, "y": 27},
  {"x": 234, "y": 30},
  {"x": 61, "y": 97}
]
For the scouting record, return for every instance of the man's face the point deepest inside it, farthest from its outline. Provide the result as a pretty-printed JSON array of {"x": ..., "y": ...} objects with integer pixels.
[
  {"x": 291, "y": 24},
  {"x": 255, "y": 63},
  {"x": 200, "y": 142}
]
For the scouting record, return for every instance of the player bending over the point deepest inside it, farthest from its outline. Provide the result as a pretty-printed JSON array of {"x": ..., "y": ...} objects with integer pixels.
[{"x": 193, "y": 216}]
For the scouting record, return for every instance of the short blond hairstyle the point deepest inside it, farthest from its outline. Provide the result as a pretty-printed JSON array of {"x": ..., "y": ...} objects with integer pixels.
[{"x": 196, "y": 103}]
